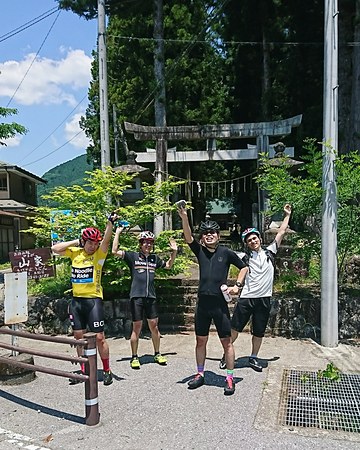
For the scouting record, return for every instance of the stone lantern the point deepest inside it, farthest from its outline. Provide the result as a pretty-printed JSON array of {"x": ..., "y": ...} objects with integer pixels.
[
  {"x": 274, "y": 222},
  {"x": 135, "y": 193}
]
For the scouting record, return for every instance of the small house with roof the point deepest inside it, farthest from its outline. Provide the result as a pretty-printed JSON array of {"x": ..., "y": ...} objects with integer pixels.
[{"x": 17, "y": 198}]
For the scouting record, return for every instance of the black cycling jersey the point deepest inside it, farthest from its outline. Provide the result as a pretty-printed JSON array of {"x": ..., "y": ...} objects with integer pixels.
[
  {"x": 143, "y": 273},
  {"x": 214, "y": 267}
]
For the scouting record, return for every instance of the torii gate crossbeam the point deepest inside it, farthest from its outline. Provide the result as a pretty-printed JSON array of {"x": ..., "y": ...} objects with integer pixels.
[
  {"x": 261, "y": 131},
  {"x": 223, "y": 131}
]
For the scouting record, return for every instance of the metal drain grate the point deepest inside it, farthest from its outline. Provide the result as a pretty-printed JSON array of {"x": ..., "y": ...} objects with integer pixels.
[{"x": 307, "y": 401}]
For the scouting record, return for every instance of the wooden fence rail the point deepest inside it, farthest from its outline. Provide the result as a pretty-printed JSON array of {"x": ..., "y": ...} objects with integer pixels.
[{"x": 92, "y": 416}]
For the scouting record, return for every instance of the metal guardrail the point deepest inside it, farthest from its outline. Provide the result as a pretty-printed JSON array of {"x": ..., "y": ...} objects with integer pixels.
[{"x": 92, "y": 415}]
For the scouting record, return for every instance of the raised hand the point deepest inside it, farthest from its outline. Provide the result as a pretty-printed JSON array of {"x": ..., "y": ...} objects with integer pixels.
[
  {"x": 287, "y": 209},
  {"x": 173, "y": 244}
]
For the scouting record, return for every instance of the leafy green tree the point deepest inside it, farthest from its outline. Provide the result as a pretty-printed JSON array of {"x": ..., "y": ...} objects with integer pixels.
[
  {"x": 304, "y": 191},
  {"x": 195, "y": 67},
  {"x": 9, "y": 130},
  {"x": 89, "y": 205}
]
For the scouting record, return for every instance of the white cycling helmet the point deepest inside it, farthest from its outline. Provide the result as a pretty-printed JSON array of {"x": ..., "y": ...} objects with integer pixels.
[{"x": 146, "y": 235}]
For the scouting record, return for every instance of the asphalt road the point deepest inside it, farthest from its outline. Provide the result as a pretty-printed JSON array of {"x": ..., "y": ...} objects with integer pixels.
[{"x": 152, "y": 408}]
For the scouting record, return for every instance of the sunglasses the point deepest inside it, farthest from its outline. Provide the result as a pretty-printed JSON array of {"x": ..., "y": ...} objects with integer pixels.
[
  {"x": 147, "y": 241},
  {"x": 209, "y": 232}
]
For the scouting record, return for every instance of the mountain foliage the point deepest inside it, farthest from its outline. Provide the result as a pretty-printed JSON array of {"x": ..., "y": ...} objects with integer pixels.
[{"x": 66, "y": 174}]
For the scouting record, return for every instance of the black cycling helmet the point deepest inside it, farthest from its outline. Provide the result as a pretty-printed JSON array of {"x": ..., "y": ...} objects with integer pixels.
[{"x": 208, "y": 225}]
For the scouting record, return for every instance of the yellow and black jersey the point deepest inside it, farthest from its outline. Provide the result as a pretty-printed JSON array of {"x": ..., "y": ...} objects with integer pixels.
[{"x": 86, "y": 272}]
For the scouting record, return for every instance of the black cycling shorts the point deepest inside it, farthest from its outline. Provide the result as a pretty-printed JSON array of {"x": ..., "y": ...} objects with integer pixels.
[
  {"x": 87, "y": 313},
  {"x": 139, "y": 305},
  {"x": 256, "y": 308},
  {"x": 212, "y": 308}
]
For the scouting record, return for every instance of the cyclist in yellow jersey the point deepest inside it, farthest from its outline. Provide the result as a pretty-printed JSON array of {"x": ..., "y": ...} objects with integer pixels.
[{"x": 88, "y": 255}]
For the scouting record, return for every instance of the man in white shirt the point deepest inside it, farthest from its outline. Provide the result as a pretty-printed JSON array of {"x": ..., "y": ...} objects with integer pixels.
[{"x": 255, "y": 297}]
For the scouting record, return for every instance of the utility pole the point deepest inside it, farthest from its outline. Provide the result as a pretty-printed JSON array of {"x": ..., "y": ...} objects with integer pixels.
[
  {"x": 329, "y": 275},
  {"x": 103, "y": 87},
  {"x": 160, "y": 222}
]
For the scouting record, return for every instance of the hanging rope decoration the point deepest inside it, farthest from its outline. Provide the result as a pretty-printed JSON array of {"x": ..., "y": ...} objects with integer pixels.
[{"x": 240, "y": 184}]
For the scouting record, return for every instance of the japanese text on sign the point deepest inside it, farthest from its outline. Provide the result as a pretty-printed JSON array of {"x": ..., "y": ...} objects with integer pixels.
[{"x": 36, "y": 262}]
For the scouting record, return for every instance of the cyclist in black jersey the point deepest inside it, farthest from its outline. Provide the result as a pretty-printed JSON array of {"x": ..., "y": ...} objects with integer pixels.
[
  {"x": 214, "y": 263},
  {"x": 143, "y": 265}
]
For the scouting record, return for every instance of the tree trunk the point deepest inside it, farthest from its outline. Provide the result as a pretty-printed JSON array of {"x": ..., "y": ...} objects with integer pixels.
[
  {"x": 160, "y": 222},
  {"x": 159, "y": 70},
  {"x": 346, "y": 35},
  {"x": 266, "y": 83},
  {"x": 354, "y": 125}
]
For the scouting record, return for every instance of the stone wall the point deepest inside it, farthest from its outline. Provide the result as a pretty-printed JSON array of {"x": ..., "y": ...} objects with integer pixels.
[{"x": 298, "y": 315}]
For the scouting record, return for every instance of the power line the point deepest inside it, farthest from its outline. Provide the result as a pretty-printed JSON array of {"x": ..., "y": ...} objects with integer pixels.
[
  {"x": 58, "y": 148},
  {"x": 32, "y": 62},
  {"x": 191, "y": 43},
  {"x": 13, "y": 33},
  {"x": 29, "y": 24},
  {"x": 209, "y": 41},
  {"x": 49, "y": 135}
]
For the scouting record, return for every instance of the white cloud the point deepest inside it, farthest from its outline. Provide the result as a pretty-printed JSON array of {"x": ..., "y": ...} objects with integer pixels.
[
  {"x": 12, "y": 142},
  {"x": 72, "y": 128},
  {"x": 45, "y": 81}
]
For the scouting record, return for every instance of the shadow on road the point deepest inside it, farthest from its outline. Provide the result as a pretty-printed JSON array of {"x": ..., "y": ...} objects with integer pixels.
[{"x": 41, "y": 408}]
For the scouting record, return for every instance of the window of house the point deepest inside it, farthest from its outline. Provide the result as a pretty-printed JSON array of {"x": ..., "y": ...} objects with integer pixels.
[
  {"x": 6, "y": 243},
  {"x": 3, "y": 182},
  {"x": 27, "y": 187}
]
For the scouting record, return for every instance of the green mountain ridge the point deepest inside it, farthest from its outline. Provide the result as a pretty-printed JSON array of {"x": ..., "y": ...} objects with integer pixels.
[{"x": 66, "y": 174}]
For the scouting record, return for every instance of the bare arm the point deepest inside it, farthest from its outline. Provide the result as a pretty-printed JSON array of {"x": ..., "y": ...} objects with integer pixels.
[
  {"x": 186, "y": 226},
  {"x": 107, "y": 237},
  {"x": 174, "y": 248},
  {"x": 240, "y": 279},
  {"x": 115, "y": 246},
  {"x": 284, "y": 224},
  {"x": 61, "y": 247}
]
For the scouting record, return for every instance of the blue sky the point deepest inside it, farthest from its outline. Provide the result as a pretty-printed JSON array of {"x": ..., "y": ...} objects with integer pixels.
[{"x": 45, "y": 75}]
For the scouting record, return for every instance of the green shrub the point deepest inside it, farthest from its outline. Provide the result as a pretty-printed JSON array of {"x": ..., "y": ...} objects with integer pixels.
[{"x": 57, "y": 286}]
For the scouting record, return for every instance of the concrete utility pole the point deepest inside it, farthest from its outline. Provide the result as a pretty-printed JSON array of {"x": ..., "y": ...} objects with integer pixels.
[
  {"x": 103, "y": 87},
  {"x": 329, "y": 277}
]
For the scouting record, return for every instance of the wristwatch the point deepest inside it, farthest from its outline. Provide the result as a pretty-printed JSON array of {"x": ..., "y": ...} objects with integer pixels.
[{"x": 239, "y": 284}]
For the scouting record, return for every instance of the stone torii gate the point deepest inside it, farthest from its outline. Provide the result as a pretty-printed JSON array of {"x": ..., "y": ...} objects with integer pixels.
[{"x": 261, "y": 131}]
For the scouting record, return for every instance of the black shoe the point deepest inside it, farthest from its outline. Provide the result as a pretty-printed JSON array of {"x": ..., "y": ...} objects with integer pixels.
[
  {"x": 229, "y": 388},
  {"x": 222, "y": 363},
  {"x": 73, "y": 381},
  {"x": 196, "y": 382},
  {"x": 107, "y": 377},
  {"x": 254, "y": 364}
]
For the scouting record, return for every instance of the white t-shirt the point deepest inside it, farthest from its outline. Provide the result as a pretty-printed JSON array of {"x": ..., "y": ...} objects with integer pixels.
[{"x": 260, "y": 276}]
